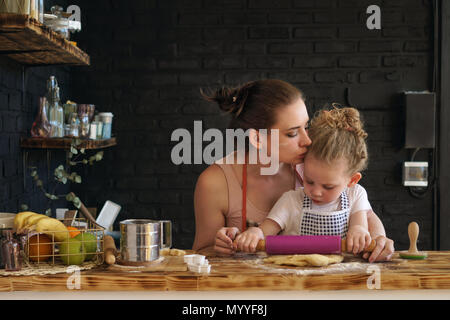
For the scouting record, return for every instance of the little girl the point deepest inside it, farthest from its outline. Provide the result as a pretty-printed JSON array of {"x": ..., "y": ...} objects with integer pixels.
[{"x": 330, "y": 202}]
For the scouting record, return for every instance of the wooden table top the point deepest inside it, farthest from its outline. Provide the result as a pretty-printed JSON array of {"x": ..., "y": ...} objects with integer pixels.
[{"x": 249, "y": 272}]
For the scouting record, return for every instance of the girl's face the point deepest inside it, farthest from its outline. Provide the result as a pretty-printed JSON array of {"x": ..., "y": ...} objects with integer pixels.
[
  {"x": 323, "y": 183},
  {"x": 292, "y": 124}
]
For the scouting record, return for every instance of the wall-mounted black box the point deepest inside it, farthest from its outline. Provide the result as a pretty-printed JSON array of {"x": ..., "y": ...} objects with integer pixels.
[{"x": 420, "y": 119}]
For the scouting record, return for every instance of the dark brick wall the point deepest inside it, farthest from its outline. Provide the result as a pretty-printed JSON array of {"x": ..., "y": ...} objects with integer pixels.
[{"x": 149, "y": 59}]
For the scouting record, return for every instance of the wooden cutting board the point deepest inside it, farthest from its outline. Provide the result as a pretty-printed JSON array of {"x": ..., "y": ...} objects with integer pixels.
[{"x": 166, "y": 263}]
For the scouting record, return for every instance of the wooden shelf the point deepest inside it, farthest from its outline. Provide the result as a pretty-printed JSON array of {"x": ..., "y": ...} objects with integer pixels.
[
  {"x": 29, "y": 42},
  {"x": 64, "y": 143}
]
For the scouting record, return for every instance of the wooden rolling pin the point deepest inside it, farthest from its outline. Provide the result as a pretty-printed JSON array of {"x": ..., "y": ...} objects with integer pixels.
[
  {"x": 306, "y": 245},
  {"x": 110, "y": 250}
]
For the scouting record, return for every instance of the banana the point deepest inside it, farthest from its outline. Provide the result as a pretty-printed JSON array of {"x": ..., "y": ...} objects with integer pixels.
[
  {"x": 31, "y": 221},
  {"x": 20, "y": 218},
  {"x": 53, "y": 227}
]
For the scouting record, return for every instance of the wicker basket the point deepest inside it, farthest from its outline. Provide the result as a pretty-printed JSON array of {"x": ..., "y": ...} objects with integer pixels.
[{"x": 42, "y": 248}]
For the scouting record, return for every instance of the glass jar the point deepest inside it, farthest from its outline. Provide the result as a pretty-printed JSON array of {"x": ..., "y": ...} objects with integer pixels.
[
  {"x": 84, "y": 126},
  {"x": 74, "y": 125}
]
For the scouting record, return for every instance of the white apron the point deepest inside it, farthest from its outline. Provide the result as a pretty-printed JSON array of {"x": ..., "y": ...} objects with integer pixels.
[{"x": 334, "y": 223}]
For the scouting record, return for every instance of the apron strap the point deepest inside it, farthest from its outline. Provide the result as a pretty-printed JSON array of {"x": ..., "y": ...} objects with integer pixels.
[{"x": 244, "y": 197}]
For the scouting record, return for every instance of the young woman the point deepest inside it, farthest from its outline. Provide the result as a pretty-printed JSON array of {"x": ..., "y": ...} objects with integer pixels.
[{"x": 228, "y": 196}]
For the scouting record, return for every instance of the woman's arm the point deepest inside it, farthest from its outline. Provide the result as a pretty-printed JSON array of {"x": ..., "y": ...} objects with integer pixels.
[{"x": 210, "y": 205}]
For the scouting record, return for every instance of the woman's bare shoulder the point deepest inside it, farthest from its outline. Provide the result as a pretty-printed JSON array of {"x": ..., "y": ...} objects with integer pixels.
[{"x": 212, "y": 177}]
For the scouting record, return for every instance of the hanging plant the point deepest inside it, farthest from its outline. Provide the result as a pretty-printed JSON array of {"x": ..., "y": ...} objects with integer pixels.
[{"x": 63, "y": 174}]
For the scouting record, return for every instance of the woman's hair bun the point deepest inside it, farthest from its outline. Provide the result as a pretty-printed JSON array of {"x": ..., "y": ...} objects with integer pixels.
[{"x": 230, "y": 100}]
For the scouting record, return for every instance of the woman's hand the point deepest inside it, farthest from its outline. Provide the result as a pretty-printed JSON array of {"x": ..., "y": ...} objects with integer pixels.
[
  {"x": 358, "y": 238},
  {"x": 224, "y": 240},
  {"x": 248, "y": 240},
  {"x": 382, "y": 252}
]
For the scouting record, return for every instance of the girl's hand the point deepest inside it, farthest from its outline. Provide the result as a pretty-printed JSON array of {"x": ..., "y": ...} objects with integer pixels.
[
  {"x": 248, "y": 240},
  {"x": 224, "y": 240},
  {"x": 358, "y": 238},
  {"x": 383, "y": 251}
]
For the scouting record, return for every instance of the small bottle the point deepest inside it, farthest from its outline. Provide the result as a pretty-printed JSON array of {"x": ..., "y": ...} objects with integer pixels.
[
  {"x": 56, "y": 116},
  {"x": 74, "y": 125},
  {"x": 11, "y": 252},
  {"x": 84, "y": 126}
]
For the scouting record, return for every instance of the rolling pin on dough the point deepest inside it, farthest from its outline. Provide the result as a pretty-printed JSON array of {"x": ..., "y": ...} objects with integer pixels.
[
  {"x": 306, "y": 245},
  {"x": 110, "y": 249}
]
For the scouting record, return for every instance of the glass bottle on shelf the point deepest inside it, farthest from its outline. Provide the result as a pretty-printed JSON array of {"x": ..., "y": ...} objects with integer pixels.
[
  {"x": 52, "y": 83},
  {"x": 56, "y": 116},
  {"x": 74, "y": 125},
  {"x": 84, "y": 126},
  {"x": 41, "y": 126}
]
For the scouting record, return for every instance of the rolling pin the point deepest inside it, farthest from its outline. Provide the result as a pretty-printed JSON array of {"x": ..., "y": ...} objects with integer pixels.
[
  {"x": 109, "y": 249},
  {"x": 305, "y": 245}
]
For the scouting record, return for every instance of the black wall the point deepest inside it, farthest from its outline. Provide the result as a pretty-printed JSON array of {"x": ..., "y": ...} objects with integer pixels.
[
  {"x": 149, "y": 59},
  {"x": 20, "y": 89}
]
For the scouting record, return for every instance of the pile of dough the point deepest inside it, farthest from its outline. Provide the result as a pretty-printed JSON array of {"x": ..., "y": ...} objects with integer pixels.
[
  {"x": 304, "y": 260},
  {"x": 172, "y": 252}
]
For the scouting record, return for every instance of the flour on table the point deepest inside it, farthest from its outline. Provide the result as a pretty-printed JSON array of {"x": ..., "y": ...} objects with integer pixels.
[{"x": 302, "y": 260}]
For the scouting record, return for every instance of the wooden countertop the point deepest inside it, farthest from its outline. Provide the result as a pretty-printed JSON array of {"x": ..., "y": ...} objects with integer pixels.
[{"x": 248, "y": 272}]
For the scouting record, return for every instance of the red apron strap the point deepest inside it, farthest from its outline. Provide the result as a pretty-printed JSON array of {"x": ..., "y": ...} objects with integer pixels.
[{"x": 244, "y": 197}]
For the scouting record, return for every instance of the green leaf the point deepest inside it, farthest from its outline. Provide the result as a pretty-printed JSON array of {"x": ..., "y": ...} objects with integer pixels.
[
  {"x": 78, "y": 179},
  {"x": 85, "y": 161},
  {"x": 82, "y": 150},
  {"x": 69, "y": 197},
  {"x": 99, "y": 156},
  {"x": 48, "y": 212},
  {"x": 33, "y": 173},
  {"x": 72, "y": 163},
  {"x": 64, "y": 180},
  {"x": 39, "y": 183},
  {"x": 73, "y": 150},
  {"x": 77, "y": 202},
  {"x": 23, "y": 207}
]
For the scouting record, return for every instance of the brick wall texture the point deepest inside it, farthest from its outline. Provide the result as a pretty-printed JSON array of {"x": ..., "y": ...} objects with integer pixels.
[{"x": 150, "y": 57}]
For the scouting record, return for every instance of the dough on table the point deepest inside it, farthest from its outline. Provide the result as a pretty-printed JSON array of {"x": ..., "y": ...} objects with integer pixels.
[
  {"x": 303, "y": 260},
  {"x": 172, "y": 252}
]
